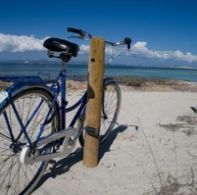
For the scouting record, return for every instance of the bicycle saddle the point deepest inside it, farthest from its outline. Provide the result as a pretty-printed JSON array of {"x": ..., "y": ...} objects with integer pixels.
[{"x": 61, "y": 45}]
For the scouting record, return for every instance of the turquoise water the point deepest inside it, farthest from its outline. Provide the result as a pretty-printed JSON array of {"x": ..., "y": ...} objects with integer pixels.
[
  {"x": 155, "y": 73},
  {"x": 14, "y": 69}
]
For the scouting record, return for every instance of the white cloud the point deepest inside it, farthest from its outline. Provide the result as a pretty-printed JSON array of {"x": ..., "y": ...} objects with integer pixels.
[
  {"x": 84, "y": 48},
  {"x": 140, "y": 48},
  {"x": 13, "y": 43},
  {"x": 140, "y": 45}
]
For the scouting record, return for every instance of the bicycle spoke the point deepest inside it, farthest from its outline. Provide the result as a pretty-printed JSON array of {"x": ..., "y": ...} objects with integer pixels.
[
  {"x": 12, "y": 181},
  {"x": 5, "y": 149},
  {"x": 5, "y": 130},
  {"x": 5, "y": 137},
  {"x": 112, "y": 99},
  {"x": 4, "y": 165},
  {"x": 7, "y": 155},
  {"x": 29, "y": 117},
  {"x": 111, "y": 109},
  {"x": 34, "y": 123},
  {"x": 18, "y": 179},
  {"x": 8, "y": 173},
  {"x": 31, "y": 170},
  {"x": 31, "y": 107},
  {"x": 38, "y": 120},
  {"x": 103, "y": 128},
  {"x": 8, "y": 185},
  {"x": 109, "y": 106},
  {"x": 25, "y": 174},
  {"x": 4, "y": 162}
]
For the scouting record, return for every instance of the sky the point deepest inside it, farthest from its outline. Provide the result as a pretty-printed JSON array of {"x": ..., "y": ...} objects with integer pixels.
[{"x": 163, "y": 31}]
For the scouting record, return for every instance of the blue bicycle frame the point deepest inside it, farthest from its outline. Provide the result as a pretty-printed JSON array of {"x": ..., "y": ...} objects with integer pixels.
[{"x": 21, "y": 83}]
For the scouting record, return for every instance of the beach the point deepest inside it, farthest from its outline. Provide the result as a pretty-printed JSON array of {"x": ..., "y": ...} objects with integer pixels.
[
  {"x": 55, "y": 55},
  {"x": 151, "y": 150}
]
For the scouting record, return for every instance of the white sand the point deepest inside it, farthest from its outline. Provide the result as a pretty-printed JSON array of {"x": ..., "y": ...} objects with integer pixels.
[{"x": 127, "y": 166}]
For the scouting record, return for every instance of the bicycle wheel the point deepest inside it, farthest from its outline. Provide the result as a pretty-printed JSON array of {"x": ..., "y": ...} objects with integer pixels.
[
  {"x": 110, "y": 111},
  {"x": 17, "y": 178}
]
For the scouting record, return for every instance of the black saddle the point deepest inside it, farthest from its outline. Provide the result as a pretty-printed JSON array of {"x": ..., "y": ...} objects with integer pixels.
[{"x": 61, "y": 45}]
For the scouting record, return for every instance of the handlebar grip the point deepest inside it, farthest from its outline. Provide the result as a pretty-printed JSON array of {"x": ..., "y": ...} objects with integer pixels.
[
  {"x": 128, "y": 41},
  {"x": 75, "y": 30}
]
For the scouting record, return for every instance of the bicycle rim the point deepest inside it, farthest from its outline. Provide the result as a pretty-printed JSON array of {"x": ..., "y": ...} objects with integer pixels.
[
  {"x": 16, "y": 178},
  {"x": 110, "y": 110}
]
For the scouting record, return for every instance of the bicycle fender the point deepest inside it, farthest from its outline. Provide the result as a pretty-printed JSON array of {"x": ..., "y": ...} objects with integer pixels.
[
  {"x": 16, "y": 88},
  {"x": 107, "y": 80}
]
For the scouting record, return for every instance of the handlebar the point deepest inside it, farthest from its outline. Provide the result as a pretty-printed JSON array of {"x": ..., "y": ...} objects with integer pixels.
[
  {"x": 82, "y": 34},
  {"x": 85, "y": 35},
  {"x": 127, "y": 41}
]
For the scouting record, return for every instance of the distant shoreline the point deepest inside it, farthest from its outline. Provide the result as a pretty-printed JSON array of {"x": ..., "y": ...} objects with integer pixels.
[
  {"x": 132, "y": 83},
  {"x": 79, "y": 72},
  {"x": 85, "y": 63}
]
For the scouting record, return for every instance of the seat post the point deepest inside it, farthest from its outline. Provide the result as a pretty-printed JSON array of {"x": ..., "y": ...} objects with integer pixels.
[
  {"x": 65, "y": 57},
  {"x": 63, "y": 93},
  {"x": 62, "y": 65}
]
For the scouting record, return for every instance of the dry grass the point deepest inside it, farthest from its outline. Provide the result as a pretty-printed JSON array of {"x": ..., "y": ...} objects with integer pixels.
[
  {"x": 169, "y": 184},
  {"x": 173, "y": 187},
  {"x": 185, "y": 124},
  {"x": 156, "y": 84},
  {"x": 4, "y": 85},
  {"x": 134, "y": 84}
]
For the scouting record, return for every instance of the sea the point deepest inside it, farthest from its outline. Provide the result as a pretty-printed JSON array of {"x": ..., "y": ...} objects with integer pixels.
[{"x": 79, "y": 71}]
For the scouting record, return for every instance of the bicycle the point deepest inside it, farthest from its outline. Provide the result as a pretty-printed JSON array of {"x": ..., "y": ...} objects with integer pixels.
[{"x": 33, "y": 120}]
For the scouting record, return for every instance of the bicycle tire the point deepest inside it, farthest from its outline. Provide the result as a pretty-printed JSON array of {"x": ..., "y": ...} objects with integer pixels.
[
  {"x": 16, "y": 178},
  {"x": 108, "y": 99}
]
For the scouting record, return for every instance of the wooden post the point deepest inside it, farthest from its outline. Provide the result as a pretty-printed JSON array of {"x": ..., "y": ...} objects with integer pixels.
[{"x": 93, "y": 108}]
